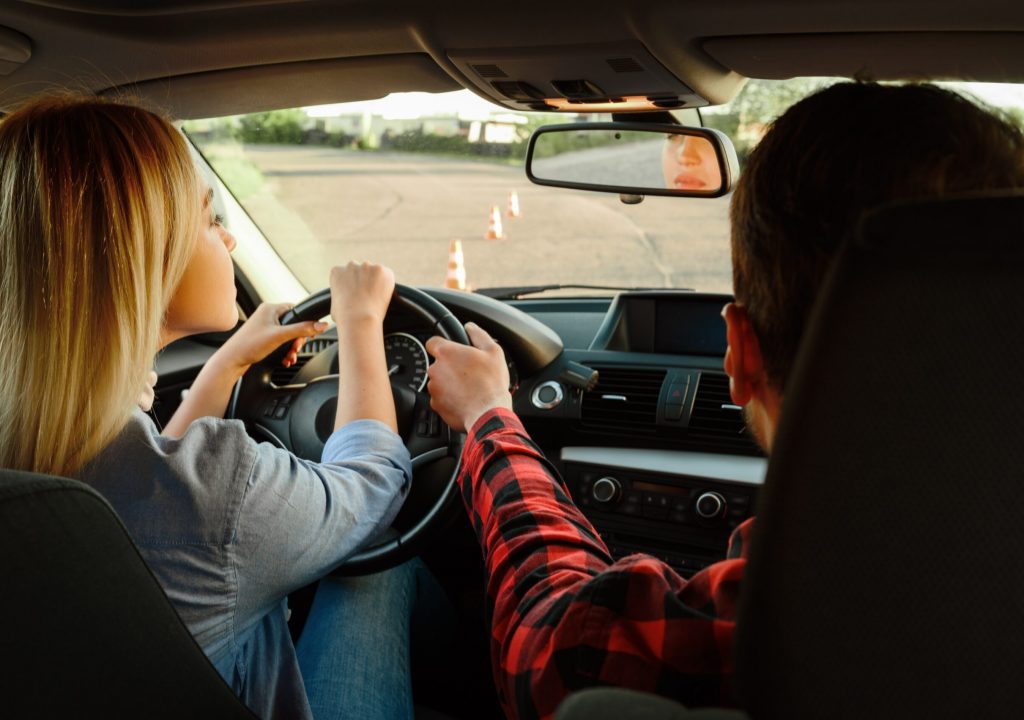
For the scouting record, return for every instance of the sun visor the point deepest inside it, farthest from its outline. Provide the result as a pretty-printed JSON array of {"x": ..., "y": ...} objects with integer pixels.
[
  {"x": 982, "y": 56},
  {"x": 15, "y": 50},
  {"x": 284, "y": 85}
]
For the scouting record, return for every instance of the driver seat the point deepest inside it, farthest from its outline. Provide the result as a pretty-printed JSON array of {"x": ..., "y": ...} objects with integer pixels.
[{"x": 87, "y": 629}]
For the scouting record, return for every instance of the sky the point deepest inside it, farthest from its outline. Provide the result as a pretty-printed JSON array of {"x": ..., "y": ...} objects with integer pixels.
[
  {"x": 467, "y": 106},
  {"x": 998, "y": 94},
  {"x": 406, "y": 106}
]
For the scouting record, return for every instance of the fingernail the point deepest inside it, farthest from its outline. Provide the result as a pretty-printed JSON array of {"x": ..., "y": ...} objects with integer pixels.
[{"x": 320, "y": 326}]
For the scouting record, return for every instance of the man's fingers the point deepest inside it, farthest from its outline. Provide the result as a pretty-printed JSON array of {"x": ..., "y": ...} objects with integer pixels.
[
  {"x": 479, "y": 337},
  {"x": 436, "y": 345}
]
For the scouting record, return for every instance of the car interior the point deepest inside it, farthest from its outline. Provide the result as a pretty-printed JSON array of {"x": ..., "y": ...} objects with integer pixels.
[{"x": 617, "y": 377}]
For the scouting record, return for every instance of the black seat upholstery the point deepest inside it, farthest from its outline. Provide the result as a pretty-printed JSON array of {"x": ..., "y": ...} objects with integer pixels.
[
  {"x": 886, "y": 573},
  {"x": 87, "y": 630},
  {"x": 605, "y": 703}
]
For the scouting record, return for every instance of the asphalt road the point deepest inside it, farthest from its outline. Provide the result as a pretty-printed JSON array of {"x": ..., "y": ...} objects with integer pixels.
[{"x": 323, "y": 206}]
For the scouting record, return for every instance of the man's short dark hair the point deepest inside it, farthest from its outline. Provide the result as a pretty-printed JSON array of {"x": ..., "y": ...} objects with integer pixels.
[{"x": 830, "y": 157}]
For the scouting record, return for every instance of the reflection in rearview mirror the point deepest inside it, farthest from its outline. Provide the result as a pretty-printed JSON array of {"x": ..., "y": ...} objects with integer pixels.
[
  {"x": 690, "y": 163},
  {"x": 663, "y": 160}
]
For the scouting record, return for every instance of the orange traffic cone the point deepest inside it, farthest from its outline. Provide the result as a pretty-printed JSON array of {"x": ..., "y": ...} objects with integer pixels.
[
  {"x": 456, "y": 277},
  {"x": 513, "y": 205},
  {"x": 494, "y": 231}
]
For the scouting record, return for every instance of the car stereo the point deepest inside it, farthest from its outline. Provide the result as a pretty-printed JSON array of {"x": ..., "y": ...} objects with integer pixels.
[{"x": 681, "y": 518}]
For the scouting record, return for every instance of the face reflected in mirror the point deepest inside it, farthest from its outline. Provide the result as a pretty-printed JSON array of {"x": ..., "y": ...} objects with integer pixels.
[{"x": 690, "y": 163}]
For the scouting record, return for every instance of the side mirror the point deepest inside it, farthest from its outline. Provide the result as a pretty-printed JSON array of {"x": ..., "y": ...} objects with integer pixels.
[{"x": 633, "y": 159}]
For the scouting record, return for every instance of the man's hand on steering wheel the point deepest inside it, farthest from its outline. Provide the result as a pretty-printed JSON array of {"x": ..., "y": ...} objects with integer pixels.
[{"x": 467, "y": 381}]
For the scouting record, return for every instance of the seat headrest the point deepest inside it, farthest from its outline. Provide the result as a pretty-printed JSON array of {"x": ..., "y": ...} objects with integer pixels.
[{"x": 884, "y": 576}]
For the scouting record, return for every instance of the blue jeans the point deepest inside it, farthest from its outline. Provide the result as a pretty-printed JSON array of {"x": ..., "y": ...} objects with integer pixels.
[{"x": 354, "y": 651}]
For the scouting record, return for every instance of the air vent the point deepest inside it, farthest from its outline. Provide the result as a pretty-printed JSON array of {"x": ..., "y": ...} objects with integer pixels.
[
  {"x": 623, "y": 399},
  {"x": 489, "y": 71},
  {"x": 715, "y": 422},
  {"x": 315, "y": 346},
  {"x": 624, "y": 65},
  {"x": 284, "y": 375}
]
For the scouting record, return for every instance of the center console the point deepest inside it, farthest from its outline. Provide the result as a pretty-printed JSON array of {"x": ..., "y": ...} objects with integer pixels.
[{"x": 680, "y": 507}]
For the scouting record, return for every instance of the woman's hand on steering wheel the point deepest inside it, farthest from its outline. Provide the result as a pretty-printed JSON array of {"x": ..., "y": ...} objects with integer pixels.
[
  {"x": 263, "y": 333},
  {"x": 361, "y": 291}
]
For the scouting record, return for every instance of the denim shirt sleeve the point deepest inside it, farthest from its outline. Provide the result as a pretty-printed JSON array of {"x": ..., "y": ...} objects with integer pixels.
[{"x": 297, "y": 519}]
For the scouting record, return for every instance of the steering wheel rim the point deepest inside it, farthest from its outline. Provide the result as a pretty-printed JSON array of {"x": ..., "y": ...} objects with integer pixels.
[{"x": 255, "y": 387}]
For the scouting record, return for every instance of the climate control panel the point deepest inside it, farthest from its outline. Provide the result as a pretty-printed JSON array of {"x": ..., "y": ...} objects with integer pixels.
[{"x": 686, "y": 521}]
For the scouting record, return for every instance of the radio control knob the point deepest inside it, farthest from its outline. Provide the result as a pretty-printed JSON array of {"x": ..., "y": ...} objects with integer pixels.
[
  {"x": 606, "y": 490},
  {"x": 710, "y": 505}
]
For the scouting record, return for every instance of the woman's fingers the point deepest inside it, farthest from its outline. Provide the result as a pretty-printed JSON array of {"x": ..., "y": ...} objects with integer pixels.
[{"x": 298, "y": 333}]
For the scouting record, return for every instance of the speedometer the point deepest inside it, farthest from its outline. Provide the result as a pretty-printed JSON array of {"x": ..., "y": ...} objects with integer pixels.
[{"x": 407, "y": 360}]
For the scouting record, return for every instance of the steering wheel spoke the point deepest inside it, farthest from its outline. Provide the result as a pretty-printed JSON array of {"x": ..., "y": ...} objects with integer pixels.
[
  {"x": 266, "y": 410},
  {"x": 429, "y": 437}
]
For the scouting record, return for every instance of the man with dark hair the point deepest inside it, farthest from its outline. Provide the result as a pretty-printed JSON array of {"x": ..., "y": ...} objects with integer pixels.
[{"x": 564, "y": 615}]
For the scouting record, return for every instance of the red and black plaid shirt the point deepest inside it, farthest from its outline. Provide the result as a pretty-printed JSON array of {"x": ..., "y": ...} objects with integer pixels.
[{"x": 564, "y": 616}]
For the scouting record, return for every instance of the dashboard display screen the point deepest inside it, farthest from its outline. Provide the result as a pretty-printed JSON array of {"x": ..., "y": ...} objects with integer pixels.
[{"x": 689, "y": 327}]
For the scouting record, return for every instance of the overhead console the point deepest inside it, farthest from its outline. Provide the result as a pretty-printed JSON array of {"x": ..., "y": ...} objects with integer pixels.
[{"x": 613, "y": 77}]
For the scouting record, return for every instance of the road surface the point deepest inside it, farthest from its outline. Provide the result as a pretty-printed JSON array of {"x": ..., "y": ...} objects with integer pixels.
[{"x": 322, "y": 206}]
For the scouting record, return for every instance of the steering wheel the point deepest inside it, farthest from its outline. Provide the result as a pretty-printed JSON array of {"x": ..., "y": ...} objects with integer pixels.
[{"x": 300, "y": 417}]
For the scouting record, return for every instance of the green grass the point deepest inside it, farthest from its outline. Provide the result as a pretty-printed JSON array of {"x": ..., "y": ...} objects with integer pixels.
[{"x": 240, "y": 175}]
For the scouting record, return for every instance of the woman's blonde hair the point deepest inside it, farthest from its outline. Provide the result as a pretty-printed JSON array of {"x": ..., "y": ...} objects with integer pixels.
[{"x": 99, "y": 211}]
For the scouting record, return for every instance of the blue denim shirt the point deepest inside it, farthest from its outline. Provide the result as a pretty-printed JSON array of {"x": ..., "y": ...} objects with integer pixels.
[{"x": 230, "y": 527}]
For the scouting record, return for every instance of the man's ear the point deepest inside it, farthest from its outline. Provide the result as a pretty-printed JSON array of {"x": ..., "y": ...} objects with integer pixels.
[{"x": 743, "y": 363}]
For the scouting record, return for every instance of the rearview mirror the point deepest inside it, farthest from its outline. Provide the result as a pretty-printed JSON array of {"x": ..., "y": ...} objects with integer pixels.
[{"x": 633, "y": 158}]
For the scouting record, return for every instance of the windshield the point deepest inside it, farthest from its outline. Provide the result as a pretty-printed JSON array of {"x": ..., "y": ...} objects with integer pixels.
[{"x": 397, "y": 180}]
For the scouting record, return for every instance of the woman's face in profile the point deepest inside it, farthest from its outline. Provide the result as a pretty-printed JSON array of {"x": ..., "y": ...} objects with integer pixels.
[
  {"x": 205, "y": 298},
  {"x": 690, "y": 163}
]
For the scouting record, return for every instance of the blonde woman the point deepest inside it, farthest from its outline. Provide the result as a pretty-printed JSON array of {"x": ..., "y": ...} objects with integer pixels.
[{"x": 109, "y": 250}]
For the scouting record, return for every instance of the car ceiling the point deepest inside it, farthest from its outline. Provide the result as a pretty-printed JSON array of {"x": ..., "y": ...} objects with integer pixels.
[{"x": 200, "y": 58}]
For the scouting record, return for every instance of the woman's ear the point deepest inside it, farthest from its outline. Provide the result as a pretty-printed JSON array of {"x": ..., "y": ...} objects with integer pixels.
[{"x": 743, "y": 362}]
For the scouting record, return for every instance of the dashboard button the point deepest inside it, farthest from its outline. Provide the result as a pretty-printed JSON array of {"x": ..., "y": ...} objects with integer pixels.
[
  {"x": 676, "y": 393},
  {"x": 710, "y": 505},
  {"x": 547, "y": 396},
  {"x": 607, "y": 490}
]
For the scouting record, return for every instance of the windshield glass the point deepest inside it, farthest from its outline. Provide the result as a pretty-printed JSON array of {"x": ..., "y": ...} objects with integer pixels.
[{"x": 397, "y": 180}]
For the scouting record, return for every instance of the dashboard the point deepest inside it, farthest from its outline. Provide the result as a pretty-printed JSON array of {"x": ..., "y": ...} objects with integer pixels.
[
  {"x": 654, "y": 453},
  {"x": 625, "y": 395}
]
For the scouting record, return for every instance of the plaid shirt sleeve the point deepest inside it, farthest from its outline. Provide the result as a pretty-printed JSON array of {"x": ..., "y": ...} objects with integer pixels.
[{"x": 563, "y": 615}]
